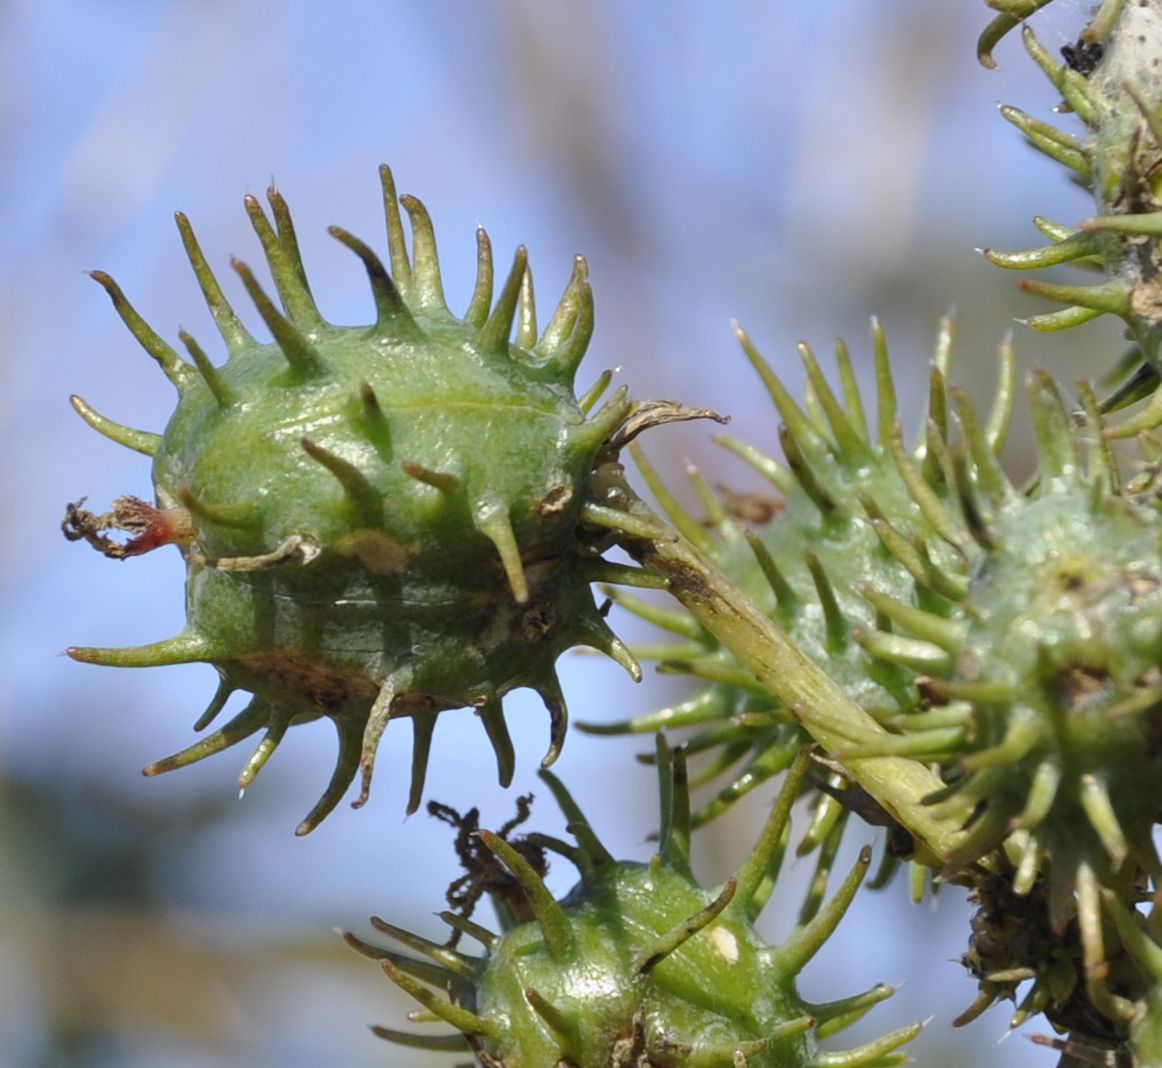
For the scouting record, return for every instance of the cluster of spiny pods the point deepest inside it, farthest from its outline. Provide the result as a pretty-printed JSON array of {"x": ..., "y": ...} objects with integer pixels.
[{"x": 388, "y": 521}]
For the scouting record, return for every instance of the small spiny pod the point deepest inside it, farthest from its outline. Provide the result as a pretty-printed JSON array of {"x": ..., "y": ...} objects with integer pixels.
[
  {"x": 857, "y": 512},
  {"x": 379, "y": 522},
  {"x": 1058, "y": 673},
  {"x": 639, "y": 966}
]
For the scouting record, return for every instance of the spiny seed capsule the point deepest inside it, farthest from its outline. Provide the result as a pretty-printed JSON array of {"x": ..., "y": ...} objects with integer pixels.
[
  {"x": 639, "y": 964},
  {"x": 1055, "y": 677},
  {"x": 858, "y": 517},
  {"x": 1028, "y": 624},
  {"x": 1022, "y": 629},
  {"x": 379, "y": 522}
]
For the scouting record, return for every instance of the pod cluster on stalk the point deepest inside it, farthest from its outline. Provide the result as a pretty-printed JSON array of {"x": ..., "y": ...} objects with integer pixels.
[
  {"x": 1008, "y": 635},
  {"x": 397, "y": 519},
  {"x": 856, "y": 518}
]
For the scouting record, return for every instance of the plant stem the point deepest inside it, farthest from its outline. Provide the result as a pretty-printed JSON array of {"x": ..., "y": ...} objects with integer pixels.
[{"x": 832, "y": 718}]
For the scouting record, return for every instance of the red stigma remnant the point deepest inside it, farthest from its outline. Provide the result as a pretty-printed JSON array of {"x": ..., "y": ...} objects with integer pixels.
[{"x": 150, "y": 526}]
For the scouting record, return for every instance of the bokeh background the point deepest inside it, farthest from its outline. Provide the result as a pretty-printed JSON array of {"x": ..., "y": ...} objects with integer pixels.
[{"x": 797, "y": 165}]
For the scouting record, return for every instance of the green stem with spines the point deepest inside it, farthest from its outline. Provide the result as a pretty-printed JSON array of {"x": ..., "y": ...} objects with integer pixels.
[{"x": 832, "y": 718}]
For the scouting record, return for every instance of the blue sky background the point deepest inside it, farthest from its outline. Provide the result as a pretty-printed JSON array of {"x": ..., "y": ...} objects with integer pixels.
[{"x": 797, "y": 166}]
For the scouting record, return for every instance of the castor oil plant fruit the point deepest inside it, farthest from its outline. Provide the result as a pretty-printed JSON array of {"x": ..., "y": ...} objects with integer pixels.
[
  {"x": 1010, "y": 636},
  {"x": 379, "y": 521},
  {"x": 1007, "y": 635},
  {"x": 852, "y": 507},
  {"x": 639, "y": 965}
]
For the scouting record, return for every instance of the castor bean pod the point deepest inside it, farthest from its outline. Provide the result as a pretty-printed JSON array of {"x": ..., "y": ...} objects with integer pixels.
[
  {"x": 378, "y": 521},
  {"x": 639, "y": 966},
  {"x": 854, "y": 510},
  {"x": 1024, "y": 625}
]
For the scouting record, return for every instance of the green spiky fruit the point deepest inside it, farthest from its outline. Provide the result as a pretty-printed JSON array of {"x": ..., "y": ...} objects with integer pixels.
[
  {"x": 1058, "y": 668},
  {"x": 1027, "y": 625},
  {"x": 1042, "y": 696},
  {"x": 639, "y": 966},
  {"x": 379, "y": 521},
  {"x": 858, "y": 519}
]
